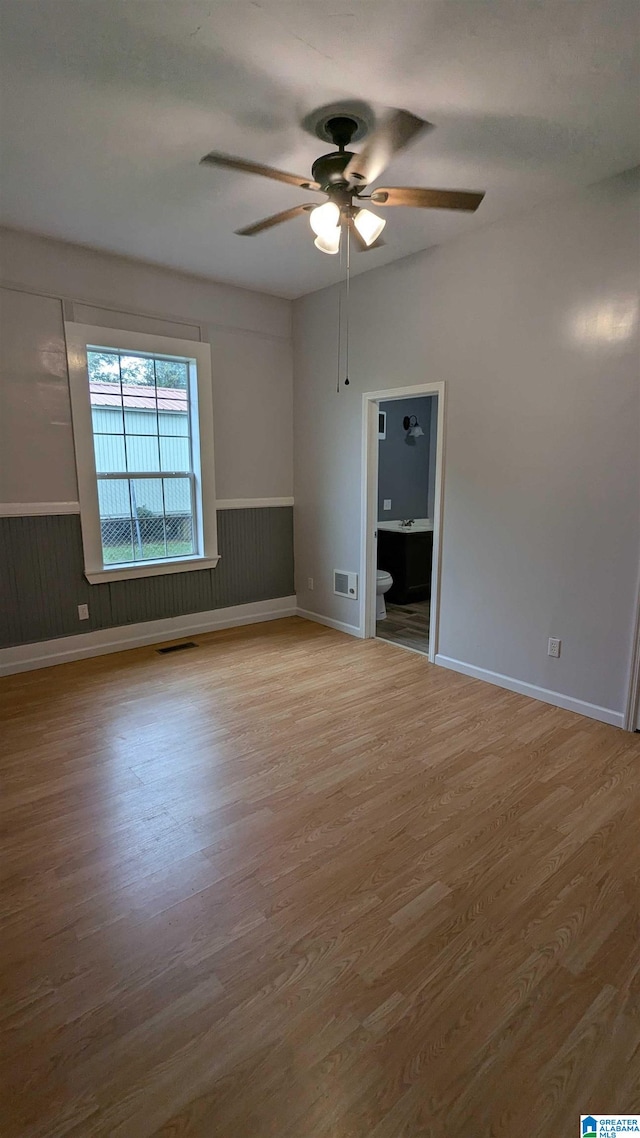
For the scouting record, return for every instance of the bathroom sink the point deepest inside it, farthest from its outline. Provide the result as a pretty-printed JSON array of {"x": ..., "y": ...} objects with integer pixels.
[{"x": 420, "y": 525}]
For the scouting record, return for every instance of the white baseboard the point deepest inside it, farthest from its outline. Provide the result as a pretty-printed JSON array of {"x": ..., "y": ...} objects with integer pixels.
[
  {"x": 556, "y": 698},
  {"x": 46, "y": 653},
  {"x": 340, "y": 626}
]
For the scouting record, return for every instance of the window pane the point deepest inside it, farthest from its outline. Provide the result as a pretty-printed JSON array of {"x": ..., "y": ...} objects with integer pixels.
[
  {"x": 173, "y": 401},
  {"x": 109, "y": 451},
  {"x": 137, "y": 371},
  {"x": 179, "y": 535},
  {"x": 173, "y": 424},
  {"x": 146, "y": 497},
  {"x": 175, "y": 454},
  {"x": 171, "y": 374},
  {"x": 177, "y": 496},
  {"x": 179, "y": 520},
  {"x": 106, "y": 395},
  {"x": 105, "y": 392},
  {"x": 113, "y": 498},
  {"x": 104, "y": 367},
  {"x": 140, "y": 412},
  {"x": 107, "y": 420},
  {"x": 115, "y": 520},
  {"x": 142, "y": 453},
  {"x": 117, "y": 544}
]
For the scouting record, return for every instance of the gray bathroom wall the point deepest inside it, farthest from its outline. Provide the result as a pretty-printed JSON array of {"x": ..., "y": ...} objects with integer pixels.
[
  {"x": 42, "y": 578},
  {"x": 404, "y": 465},
  {"x": 433, "y": 450}
]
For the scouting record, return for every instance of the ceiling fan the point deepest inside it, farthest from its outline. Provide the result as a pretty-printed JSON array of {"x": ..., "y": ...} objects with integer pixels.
[{"x": 343, "y": 176}]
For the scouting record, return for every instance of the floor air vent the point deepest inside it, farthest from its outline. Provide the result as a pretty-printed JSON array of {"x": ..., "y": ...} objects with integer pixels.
[{"x": 176, "y": 647}]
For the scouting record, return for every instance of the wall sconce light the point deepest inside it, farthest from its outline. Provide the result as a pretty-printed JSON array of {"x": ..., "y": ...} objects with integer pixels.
[{"x": 412, "y": 426}]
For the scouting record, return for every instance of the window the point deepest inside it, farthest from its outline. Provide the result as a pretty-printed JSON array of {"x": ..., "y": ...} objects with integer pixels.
[{"x": 143, "y": 430}]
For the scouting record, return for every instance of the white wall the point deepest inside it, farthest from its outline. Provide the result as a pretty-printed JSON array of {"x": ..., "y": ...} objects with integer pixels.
[
  {"x": 249, "y": 333},
  {"x": 532, "y": 323}
]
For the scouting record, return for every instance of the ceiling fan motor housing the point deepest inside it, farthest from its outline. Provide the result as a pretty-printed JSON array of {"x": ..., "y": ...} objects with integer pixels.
[{"x": 328, "y": 170}]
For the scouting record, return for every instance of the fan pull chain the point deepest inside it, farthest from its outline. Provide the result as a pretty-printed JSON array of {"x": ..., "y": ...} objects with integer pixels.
[
  {"x": 346, "y": 359},
  {"x": 339, "y": 328},
  {"x": 345, "y": 307}
]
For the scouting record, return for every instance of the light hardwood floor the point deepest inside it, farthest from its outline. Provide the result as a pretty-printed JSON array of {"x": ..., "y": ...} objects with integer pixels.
[{"x": 296, "y": 885}]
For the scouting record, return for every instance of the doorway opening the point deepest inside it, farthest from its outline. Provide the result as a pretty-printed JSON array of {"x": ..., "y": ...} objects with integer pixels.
[
  {"x": 402, "y": 476},
  {"x": 406, "y": 489}
]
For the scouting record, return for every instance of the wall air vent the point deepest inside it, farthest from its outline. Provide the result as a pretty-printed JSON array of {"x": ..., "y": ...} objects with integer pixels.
[{"x": 345, "y": 584}]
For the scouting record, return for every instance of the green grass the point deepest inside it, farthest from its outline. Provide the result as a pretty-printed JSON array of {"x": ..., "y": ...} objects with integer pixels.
[{"x": 119, "y": 554}]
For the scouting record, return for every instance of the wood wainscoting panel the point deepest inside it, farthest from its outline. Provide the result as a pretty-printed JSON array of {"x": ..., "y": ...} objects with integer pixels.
[{"x": 42, "y": 579}]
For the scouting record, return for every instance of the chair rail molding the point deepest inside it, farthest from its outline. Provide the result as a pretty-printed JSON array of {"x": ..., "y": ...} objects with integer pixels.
[{"x": 37, "y": 509}]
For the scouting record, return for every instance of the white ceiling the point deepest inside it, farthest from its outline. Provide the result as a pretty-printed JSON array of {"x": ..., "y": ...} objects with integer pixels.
[{"x": 108, "y": 105}]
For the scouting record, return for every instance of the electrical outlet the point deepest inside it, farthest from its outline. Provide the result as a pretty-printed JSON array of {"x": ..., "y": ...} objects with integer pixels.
[
  {"x": 386, "y": 505},
  {"x": 83, "y": 612},
  {"x": 554, "y": 647},
  {"x": 310, "y": 583}
]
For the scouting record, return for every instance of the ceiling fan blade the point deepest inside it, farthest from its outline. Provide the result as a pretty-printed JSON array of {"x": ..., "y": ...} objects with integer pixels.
[
  {"x": 359, "y": 242},
  {"x": 231, "y": 163},
  {"x": 393, "y": 135},
  {"x": 427, "y": 199},
  {"x": 275, "y": 219}
]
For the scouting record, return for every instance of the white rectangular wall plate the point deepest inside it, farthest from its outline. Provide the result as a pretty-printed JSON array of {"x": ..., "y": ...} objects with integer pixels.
[{"x": 345, "y": 584}]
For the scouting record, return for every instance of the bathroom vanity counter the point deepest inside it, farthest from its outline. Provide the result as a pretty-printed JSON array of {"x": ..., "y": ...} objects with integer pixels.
[
  {"x": 406, "y": 553},
  {"x": 418, "y": 525}
]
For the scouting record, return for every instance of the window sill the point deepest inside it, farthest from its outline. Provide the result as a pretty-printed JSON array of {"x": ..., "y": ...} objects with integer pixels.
[{"x": 150, "y": 569}]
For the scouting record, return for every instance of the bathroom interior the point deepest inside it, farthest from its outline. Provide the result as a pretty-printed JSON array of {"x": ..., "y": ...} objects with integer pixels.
[{"x": 407, "y": 440}]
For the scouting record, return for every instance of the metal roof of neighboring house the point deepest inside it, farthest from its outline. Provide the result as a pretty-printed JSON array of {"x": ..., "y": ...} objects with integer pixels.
[{"x": 138, "y": 398}]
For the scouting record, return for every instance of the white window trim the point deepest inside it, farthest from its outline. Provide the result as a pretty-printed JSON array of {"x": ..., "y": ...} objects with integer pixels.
[{"x": 78, "y": 336}]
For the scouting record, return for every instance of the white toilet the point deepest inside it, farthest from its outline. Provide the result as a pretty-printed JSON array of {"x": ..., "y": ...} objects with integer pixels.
[{"x": 384, "y": 581}]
